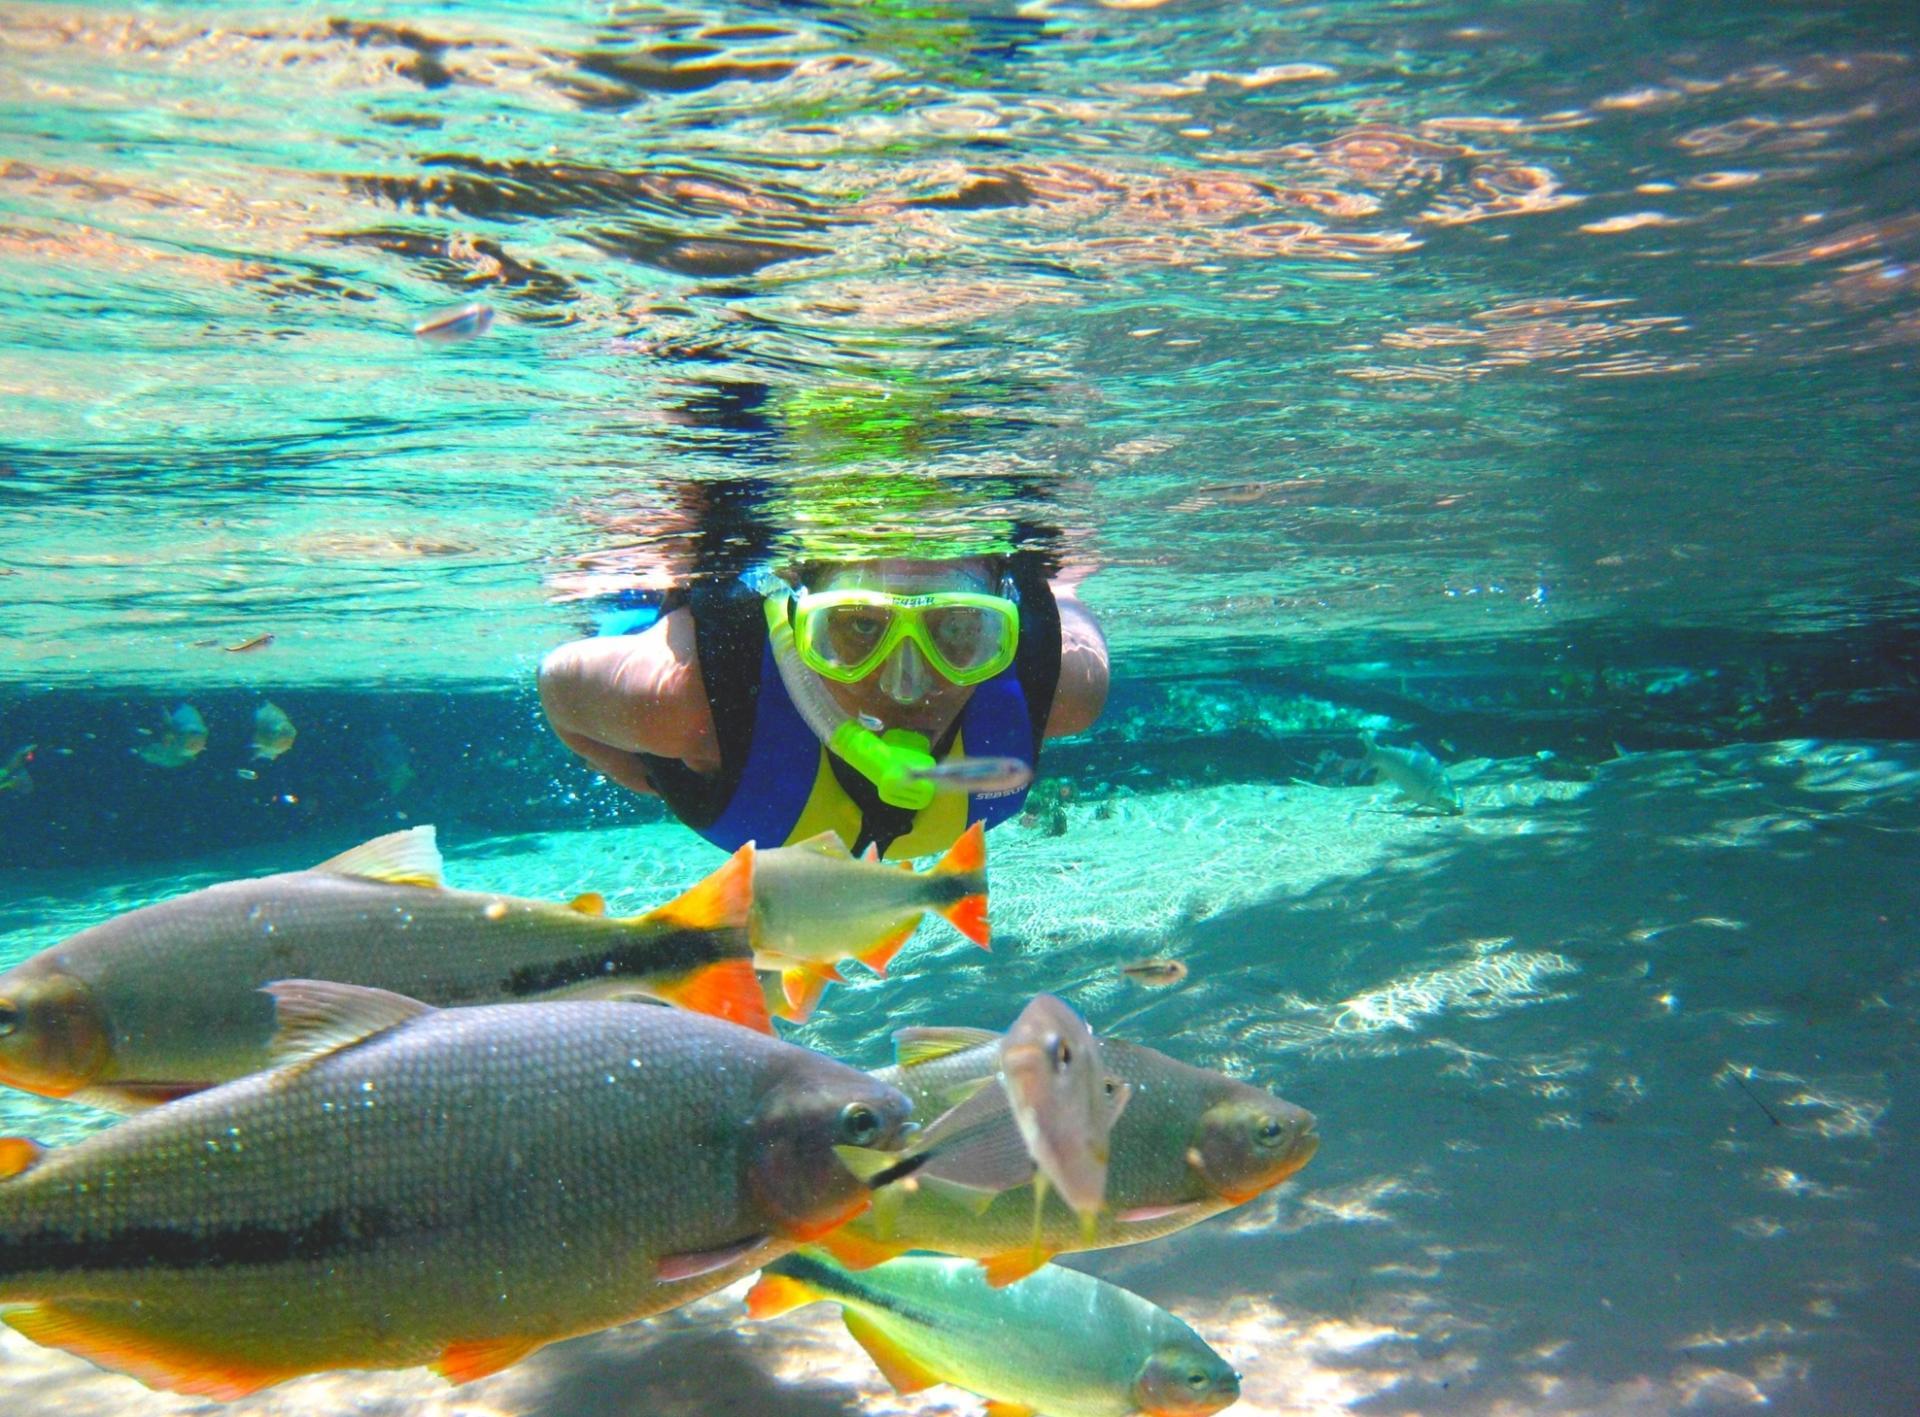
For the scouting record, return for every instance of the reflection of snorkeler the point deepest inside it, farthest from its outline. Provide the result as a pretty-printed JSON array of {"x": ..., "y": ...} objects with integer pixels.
[{"x": 725, "y": 705}]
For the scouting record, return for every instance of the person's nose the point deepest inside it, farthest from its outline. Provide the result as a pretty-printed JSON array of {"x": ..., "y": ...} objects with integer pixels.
[{"x": 906, "y": 677}]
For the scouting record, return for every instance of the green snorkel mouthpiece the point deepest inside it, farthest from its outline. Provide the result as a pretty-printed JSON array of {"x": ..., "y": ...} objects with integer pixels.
[{"x": 895, "y": 762}]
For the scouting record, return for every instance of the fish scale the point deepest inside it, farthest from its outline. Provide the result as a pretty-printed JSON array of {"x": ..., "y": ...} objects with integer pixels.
[{"x": 498, "y": 1175}]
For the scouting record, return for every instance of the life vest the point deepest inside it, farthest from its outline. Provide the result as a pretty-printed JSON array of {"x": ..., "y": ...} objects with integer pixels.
[{"x": 778, "y": 784}]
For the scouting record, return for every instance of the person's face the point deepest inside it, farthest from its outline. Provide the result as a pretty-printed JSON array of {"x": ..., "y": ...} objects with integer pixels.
[{"x": 906, "y": 691}]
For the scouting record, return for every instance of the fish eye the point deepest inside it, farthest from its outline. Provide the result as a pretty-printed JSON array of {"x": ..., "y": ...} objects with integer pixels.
[
  {"x": 859, "y": 1123},
  {"x": 1270, "y": 1133},
  {"x": 9, "y": 1017},
  {"x": 1196, "y": 1380},
  {"x": 1111, "y": 1086},
  {"x": 1062, "y": 1053}
]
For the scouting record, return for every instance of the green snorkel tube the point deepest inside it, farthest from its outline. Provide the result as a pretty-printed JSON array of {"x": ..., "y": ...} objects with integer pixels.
[{"x": 896, "y": 761}]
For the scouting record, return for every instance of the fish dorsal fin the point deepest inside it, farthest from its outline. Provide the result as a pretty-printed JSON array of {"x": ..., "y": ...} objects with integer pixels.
[
  {"x": 407, "y": 858},
  {"x": 826, "y": 843},
  {"x": 314, "y": 1017},
  {"x": 588, "y": 903},
  {"x": 914, "y": 1046},
  {"x": 18, "y": 1154}
]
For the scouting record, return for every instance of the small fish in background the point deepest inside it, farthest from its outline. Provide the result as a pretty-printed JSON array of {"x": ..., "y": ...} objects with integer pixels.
[
  {"x": 182, "y": 737},
  {"x": 248, "y": 646},
  {"x": 815, "y": 904},
  {"x": 14, "y": 776},
  {"x": 977, "y": 777},
  {"x": 1155, "y": 973},
  {"x": 391, "y": 761},
  {"x": 1414, "y": 772},
  {"x": 461, "y": 322},
  {"x": 1057, "y": 1342},
  {"x": 273, "y": 732}
]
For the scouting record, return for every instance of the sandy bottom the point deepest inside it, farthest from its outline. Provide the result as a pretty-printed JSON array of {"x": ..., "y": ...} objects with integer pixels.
[{"x": 1614, "y": 1083}]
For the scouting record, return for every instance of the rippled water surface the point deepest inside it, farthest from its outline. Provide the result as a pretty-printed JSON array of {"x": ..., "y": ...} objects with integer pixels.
[
  {"x": 1534, "y": 377},
  {"x": 1429, "y": 320}
]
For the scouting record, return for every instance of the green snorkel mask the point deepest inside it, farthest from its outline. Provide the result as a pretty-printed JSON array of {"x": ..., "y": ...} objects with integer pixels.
[{"x": 895, "y": 761}]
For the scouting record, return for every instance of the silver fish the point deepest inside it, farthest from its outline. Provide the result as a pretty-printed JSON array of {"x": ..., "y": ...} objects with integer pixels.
[
  {"x": 459, "y": 323},
  {"x": 1415, "y": 772},
  {"x": 977, "y": 777},
  {"x": 456, "y": 1187}
]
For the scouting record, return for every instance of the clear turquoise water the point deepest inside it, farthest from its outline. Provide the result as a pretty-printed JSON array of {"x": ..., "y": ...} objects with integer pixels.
[{"x": 1535, "y": 375}]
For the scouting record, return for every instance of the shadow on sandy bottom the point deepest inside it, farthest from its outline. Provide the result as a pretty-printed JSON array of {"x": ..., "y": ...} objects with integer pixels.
[{"x": 691, "y": 1374}]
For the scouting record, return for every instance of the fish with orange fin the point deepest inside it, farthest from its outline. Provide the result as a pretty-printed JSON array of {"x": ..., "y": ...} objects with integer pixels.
[
  {"x": 414, "y": 1186},
  {"x": 1190, "y": 1144},
  {"x": 165, "y": 1000},
  {"x": 926, "y": 1321},
  {"x": 816, "y": 905}
]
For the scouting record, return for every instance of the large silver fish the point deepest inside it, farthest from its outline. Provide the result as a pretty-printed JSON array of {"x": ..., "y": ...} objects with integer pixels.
[
  {"x": 455, "y": 1187},
  {"x": 166, "y": 1000}
]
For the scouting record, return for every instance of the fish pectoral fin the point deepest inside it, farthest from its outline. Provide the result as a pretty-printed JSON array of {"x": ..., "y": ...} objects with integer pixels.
[
  {"x": 314, "y": 1017},
  {"x": 853, "y": 1251},
  {"x": 728, "y": 989},
  {"x": 18, "y": 1155},
  {"x": 899, "y": 1367},
  {"x": 1014, "y": 1265},
  {"x": 968, "y": 915},
  {"x": 673, "y": 1268},
  {"x": 878, "y": 957},
  {"x": 776, "y": 1294},
  {"x": 482, "y": 1357},
  {"x": 722, "y": 901},
  {"x": 406, "y": 858},
  {"x": 997, "y": 1408},
  {"x": 588, "y": 903},
  {"x": 914, "y": 1046},
  {"x": 133, "y": 1340}
]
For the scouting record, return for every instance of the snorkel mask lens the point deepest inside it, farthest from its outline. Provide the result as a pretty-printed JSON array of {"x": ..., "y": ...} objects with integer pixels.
[{"x": 845, "y": 635}]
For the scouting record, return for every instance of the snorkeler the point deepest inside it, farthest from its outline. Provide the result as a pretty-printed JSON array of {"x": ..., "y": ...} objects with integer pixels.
[{"x": 838, "y": 697}]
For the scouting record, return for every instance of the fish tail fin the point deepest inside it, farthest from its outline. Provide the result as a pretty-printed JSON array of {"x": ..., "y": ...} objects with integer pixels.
[
  {"x": 967, "y": 861},
  {"x": 775, "y": 1294},
  {"x": 18, "y": 1154},
  {"x": 967, "y": 855},
  {"x": 878, "y": 957},
  {"x": 727, "y": 989},
  {"x": 723, "y": 901}
]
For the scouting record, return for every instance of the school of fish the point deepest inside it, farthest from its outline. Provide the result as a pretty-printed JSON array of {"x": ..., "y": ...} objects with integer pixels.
[{"x": 378, "y": 1122}]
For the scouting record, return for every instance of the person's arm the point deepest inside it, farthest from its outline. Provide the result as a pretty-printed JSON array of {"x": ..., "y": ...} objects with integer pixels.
[
  {"x": 1082, "y": 691},
  {"x": 613, "y": 697}
]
